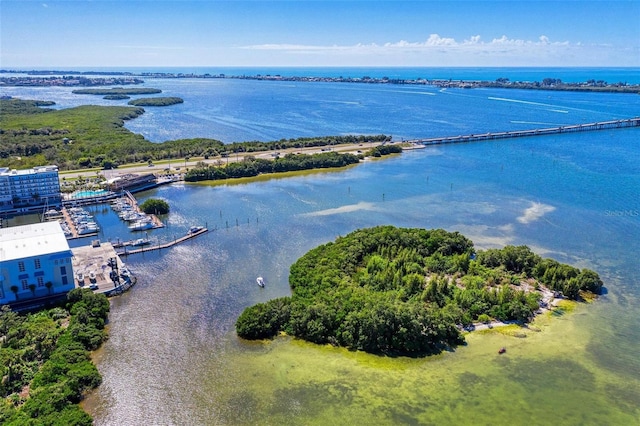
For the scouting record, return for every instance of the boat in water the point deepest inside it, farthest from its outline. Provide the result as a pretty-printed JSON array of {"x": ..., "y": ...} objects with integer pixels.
[
  {"x": 140, "y": 242},
  {"x": 195, "y": 229},
  {"x": 260, "y": 281},
  {"x": 141, "y": 225}
]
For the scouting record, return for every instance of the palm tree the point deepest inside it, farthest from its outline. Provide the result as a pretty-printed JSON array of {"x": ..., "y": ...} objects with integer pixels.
[
  {"x": 32, "y": 287},
  {"x": 48, "y": 285}
]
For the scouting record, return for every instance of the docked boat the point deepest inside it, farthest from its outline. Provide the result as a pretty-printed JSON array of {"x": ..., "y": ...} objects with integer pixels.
[
  {"x": 52, "y": 214},
  {"x": 141, "y": 225},
  {"x": 260, "y": 281},
  {"x": 141, "y": 242},
  {"x": 85, "y": 229},
  {"x": 195, "y": 229}
]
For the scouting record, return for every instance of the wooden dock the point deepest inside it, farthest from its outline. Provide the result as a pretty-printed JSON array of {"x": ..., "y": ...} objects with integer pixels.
[
  {"x": 143, "y": 249},
  {"x": 157, "y": 223},
  {"x": 589, "y": 127},
  {"x": 66, "y": 217}
]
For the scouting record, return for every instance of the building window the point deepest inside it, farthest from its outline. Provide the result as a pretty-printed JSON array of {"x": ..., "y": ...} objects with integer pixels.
[
  {"x": 21, "y": 266},
  {"x": 64, "y": 280},
  {"x": 63, "y": 270},
  {"x": 25, "y": 284},
  {"x": 36, "y": 263},
  {"x": 40, "y": 282}
]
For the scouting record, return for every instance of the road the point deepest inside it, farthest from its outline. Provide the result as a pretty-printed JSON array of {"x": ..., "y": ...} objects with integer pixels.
[{"x": 178, "y": 165}]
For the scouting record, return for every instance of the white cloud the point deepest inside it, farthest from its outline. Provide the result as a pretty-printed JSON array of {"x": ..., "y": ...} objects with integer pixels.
[
  {"x": 436, "y": 50},
  {"x": 433, "y": 41}
]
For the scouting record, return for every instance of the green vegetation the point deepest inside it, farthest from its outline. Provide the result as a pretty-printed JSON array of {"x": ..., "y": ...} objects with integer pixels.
[
  {"x": 382, "y": 150},
  {"x": 116, "y": 97},
  {"x": 590, "y": 85},
  {"x": 44, "y": 360},
  {"x": 155, "y": 206},
  {"x": 19, "y": 106},
  {"x": 93, "y": 136},
  {"x": 251, "y": 166},
  {"x": 407, "y": 291},
  {"x": 165, "y": 101},
  {"x": 86, "y": 135},
  {"x": 118, "y": 91}
]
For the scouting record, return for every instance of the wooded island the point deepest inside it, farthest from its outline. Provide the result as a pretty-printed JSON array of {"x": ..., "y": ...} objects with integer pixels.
[{"x": 392, "y": 290}]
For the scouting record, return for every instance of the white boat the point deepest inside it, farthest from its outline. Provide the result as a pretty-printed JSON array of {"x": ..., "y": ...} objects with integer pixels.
[
  {"x": 87, "y": 229},
  {"x": 132, "y": 216},
  {"x": 141, "y": 225},
  {"x": 195, "y": 229},
  {"x": 141, "y": 242},
  {"x": 260, "y": 281}
]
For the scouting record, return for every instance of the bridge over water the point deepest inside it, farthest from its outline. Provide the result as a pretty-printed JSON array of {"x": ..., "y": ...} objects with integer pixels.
[{"x": 601, "y": 125}]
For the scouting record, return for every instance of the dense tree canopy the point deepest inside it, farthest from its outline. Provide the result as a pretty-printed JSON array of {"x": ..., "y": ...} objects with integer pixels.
[
  {"x": 44, "y": 360},
  {"x": 34, "y": 136},
  {"x": 161, "y": 101},
  {"x": 155, "y": 206},
  {"x": 251, "y": 166},
  {"x": 408, "y": 291}
]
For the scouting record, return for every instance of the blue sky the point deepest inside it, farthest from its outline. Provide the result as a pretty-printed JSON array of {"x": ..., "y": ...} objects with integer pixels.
[{"x": 146, "y": 33}]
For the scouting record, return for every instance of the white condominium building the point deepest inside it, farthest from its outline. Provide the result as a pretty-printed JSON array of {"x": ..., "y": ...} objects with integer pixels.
[
  {"x": 35, "y": 261},
  {"x": 28, "y": 190}
]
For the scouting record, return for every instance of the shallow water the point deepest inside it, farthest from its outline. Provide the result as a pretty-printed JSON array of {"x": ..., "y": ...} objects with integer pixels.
[{"x": 173, "y": 357}]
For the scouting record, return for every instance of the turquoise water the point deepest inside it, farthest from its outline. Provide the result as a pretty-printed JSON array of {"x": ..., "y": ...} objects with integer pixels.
[
  {"x": 173, "y": 356},
  {"x": 89, "y": 193}
]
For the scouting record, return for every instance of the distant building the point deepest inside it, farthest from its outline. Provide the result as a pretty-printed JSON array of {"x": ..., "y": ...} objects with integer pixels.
[
  {"x": 35, "y": 261},
  {"x": 30, "y": 190},
  {"x": 132, "y": 182}
]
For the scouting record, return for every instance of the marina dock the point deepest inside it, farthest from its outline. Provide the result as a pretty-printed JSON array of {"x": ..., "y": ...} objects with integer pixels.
[
  {"x": 602, "y": 125},
  {"x": 93, "y": 267},
  {"x": 128, "y": 196},
  {"x": 143, "y": 249}
]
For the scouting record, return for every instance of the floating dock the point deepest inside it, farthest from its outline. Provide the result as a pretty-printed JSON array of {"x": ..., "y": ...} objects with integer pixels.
[
  {"x": 143, "y": 249},
  {"x": 92, "y": 267}
]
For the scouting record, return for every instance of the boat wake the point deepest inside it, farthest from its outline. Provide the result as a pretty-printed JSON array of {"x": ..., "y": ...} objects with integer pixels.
[{"x": 363, "y": 205}]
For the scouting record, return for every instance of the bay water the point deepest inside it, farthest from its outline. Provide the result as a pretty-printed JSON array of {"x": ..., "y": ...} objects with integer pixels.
[{"x": 173, "y": 356}]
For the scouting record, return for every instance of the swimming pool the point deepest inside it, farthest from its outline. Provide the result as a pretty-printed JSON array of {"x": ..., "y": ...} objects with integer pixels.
[{"x": 89, "y": 193}]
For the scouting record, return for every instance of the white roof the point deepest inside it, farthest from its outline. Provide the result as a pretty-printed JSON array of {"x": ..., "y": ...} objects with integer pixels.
[{"x": 39, "y": 239}]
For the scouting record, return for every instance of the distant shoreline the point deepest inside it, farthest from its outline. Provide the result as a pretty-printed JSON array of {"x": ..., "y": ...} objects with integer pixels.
[{"x": 46, "y": 78}]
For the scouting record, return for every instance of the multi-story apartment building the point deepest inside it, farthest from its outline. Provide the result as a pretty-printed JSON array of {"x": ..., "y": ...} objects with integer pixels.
[
  {"x": 35, "y": 261},
  {"x": 23, "y": 191}
]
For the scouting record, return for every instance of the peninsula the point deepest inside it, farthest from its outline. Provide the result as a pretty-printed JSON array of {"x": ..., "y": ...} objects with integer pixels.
[
  {"x": 405, "y": 291},
  {"x": 92, "y": 136},
  {"x": 74, "y": 78}
]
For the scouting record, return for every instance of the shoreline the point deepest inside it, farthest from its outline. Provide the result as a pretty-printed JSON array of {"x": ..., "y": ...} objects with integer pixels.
[
  {"x": 45, "y": 78},
  {"x": 548, "y": 307}
]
